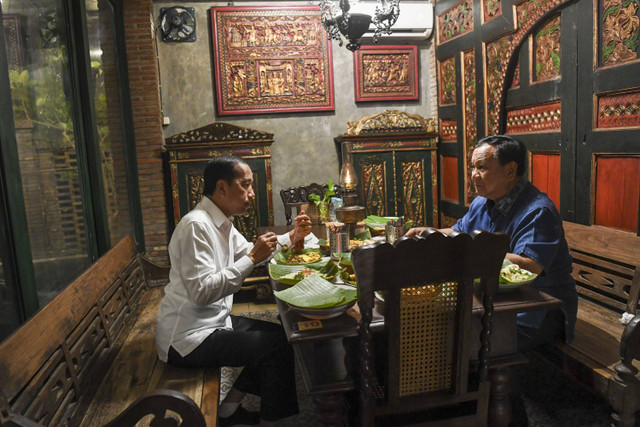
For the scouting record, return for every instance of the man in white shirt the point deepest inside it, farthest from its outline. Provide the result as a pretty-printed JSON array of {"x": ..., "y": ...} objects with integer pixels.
[{"x": 210, "y": 260}]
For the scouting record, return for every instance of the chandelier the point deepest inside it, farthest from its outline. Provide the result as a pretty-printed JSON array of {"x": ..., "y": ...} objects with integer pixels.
[{"x": 353, "y": 25}]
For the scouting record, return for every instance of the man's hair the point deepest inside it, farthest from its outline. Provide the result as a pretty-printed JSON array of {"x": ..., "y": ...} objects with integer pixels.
[
  {"x": 223, "y": 167},
  {"x": 507, "y": 150}
]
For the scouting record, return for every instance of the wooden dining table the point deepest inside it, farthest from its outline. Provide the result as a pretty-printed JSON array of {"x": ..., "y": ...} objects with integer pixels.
[{"x": 322, "y": 348}]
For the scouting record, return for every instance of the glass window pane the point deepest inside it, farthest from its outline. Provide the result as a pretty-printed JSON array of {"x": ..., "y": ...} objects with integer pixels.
[
  {"x": 41, "y": 93},
  {"x": 106, "y": 98},
  {"x": 9, "y": 315}
]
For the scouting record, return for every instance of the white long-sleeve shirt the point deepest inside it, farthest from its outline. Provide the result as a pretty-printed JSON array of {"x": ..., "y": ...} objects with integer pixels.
[{"x": 209, "y": 263}]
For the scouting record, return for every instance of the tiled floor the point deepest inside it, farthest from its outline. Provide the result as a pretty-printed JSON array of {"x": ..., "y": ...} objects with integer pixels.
[
  {"x": 250, "y": 307},
  {"x": 245, "y": 302},
  {"x": 545, "y": 392}
]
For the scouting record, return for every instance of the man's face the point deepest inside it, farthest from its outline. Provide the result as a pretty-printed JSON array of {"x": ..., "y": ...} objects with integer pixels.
[
  {"x": 491, "y": 179},
  {"x": 239, "y": 195}
]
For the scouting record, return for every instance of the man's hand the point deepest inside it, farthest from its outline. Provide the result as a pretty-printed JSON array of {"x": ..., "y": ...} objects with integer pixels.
[
  {"x": 302, "y": 228},
  {"x": 263, "y": 248},
  {"x": 525, "y": 262},
  {"x": 415, "y": 231}
]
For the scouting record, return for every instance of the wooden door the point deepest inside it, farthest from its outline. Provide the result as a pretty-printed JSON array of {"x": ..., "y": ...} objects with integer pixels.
[
  {"x": 539, "y": 106},
  {"x": 575, "y": 103},
  {"x": 608, "y": 116}
]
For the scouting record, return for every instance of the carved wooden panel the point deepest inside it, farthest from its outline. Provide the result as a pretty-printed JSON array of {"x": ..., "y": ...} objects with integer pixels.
[
  {"x": 498, "y": 52},
  {"x": 456, "y": 21},
  {"x": 619, "y": 30},
  {"x": 447, "y": 81},
  {"x": 134, "y": 284},
  {"x": 603, "y": 279},
  {"x": 413, "y": 191},
  {"x": 374, "y": 188},
  {"x": 491, "y": 9},
  {"x": 545, "y": 174},
  {"x": 547, "y": 51},
  {"x": 435, "y": 211},
  {"x": 49, "y": 391},
  {"x": 271, "y": 59},
  {"x": 86, "y": 343},
  {"x": 469, "y": 116},
  {"x": 618, "y": 110},
  {"x": 538, "y": 118},
  {"x": 495, "y": 65},
  {"x": 617, "y": 185},
  {"x": 448, "y": 130},
  {"x": 114, "y": 309}
]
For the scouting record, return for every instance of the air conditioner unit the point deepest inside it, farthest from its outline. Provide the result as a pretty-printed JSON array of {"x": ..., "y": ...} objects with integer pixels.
[{"x": 414, "y": 22}]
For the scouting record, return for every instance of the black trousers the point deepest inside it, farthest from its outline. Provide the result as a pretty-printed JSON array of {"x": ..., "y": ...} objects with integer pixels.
[
  {"x": 262, "y": 348},
  {"x": 552, "y": 328}
]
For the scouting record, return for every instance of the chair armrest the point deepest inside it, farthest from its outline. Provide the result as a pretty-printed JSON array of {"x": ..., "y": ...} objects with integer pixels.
[
  {"x": 159, "y": 403},
  {"x": 629, "y": 351}
]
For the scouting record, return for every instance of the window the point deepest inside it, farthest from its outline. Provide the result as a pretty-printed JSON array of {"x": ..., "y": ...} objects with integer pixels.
[{"x": 70, "y": 148}]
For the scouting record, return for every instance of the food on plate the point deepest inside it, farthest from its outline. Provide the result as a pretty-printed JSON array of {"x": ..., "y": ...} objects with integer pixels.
[
  {"x": 376, "y": 224},
  {"x": 303, "y": 258},
  {"x": 356, "y": 243},
  {"x": 302, "y": 274},
  {"x": 512, "y": 273}
]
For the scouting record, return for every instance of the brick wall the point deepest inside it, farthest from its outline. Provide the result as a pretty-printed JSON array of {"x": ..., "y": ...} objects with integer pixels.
[{"x": 147, "y": 120}]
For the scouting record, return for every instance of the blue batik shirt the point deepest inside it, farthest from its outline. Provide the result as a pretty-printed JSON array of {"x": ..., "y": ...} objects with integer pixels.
[{"x": 535, "y": 231}]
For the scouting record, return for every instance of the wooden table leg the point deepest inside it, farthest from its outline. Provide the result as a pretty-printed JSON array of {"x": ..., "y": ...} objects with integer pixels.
[
  {"x": 499, "y": 400},
  {"x": 329, "y": 409}
]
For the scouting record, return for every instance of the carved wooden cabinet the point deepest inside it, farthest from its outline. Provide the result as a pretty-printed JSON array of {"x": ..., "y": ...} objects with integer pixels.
[
  {"x": 187, "y": 154},
  {"x": 394, "y": 155}
]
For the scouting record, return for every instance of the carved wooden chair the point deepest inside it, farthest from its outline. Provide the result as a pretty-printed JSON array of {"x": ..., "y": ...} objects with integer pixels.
[
  {"x": 422, "y": 369},
  {"x": 295, "y": 197}
]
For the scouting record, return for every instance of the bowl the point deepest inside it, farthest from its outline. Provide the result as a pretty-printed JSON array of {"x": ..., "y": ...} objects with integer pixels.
[{"x": 322, "y": 313}]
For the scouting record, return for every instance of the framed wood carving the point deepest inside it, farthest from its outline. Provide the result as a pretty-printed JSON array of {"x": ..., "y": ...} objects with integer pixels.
[
  {"x": 271, "y": 60},
  {"x": 386, "y": 73}
]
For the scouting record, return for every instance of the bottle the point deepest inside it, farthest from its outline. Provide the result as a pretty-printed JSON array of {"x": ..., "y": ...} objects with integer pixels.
[{"x": 336, "y": 202}]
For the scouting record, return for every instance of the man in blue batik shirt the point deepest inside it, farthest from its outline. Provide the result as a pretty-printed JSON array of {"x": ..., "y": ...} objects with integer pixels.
[{"x": 510, "y": 204}]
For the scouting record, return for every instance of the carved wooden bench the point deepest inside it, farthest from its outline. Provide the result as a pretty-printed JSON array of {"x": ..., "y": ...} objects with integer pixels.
[
  {"x": 88, "y": 358},
  {"x": 605, "y": 353}
]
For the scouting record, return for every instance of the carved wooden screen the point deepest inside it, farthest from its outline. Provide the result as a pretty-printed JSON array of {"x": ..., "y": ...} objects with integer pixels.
[
  {"x": 187, "y": 155},
  {"x": 394, "y": 156},
  {"x": 571, "y": 72}
]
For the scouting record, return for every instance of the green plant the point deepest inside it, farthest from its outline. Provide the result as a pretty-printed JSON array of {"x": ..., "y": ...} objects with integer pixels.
[{"x": 327, "y": 194}]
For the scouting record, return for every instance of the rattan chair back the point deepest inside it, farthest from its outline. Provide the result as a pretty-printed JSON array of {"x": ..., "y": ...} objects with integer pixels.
[{"x": 427, "y": 284}]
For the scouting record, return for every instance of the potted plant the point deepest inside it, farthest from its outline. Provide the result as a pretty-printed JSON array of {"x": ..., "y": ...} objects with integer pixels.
[{"x": 323, "y": 202}]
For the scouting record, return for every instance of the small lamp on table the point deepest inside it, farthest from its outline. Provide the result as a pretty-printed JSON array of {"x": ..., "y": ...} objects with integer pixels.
[{"x": 350, "y": 213}]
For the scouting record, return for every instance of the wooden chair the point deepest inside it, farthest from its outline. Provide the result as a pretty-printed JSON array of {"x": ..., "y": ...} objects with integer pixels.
[
  {"x": 422, "y": 372},
  {"x": 294, "y": 197}
]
